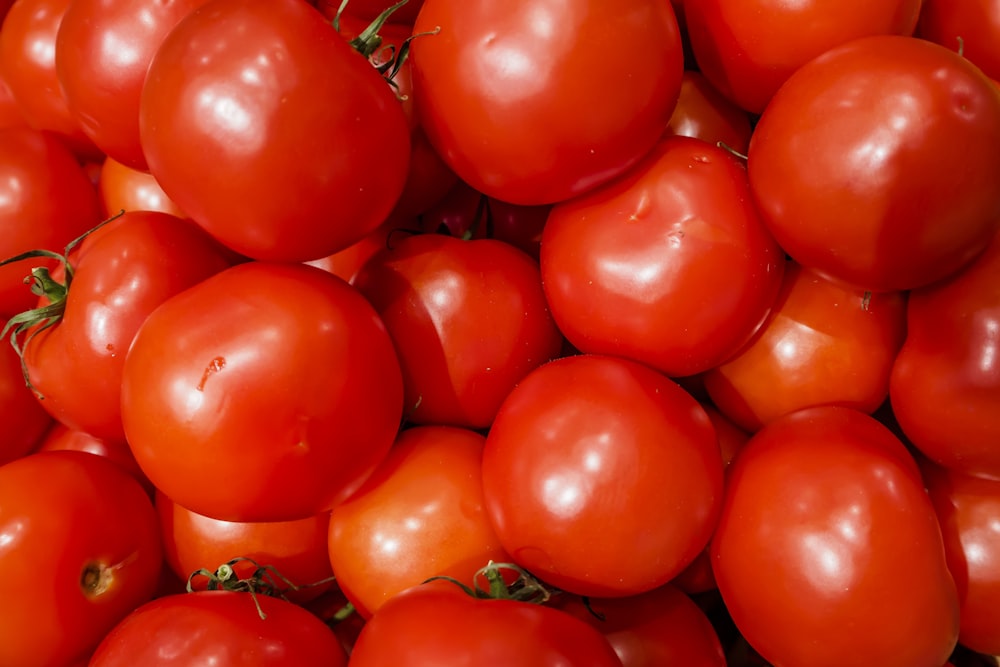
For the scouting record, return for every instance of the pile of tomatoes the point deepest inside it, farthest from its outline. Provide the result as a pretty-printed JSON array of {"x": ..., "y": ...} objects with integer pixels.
[{"x": 532, "y": 333}]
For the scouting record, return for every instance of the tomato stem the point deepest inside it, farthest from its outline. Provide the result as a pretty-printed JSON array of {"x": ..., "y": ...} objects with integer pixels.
[{"x": 524, "y": 588}]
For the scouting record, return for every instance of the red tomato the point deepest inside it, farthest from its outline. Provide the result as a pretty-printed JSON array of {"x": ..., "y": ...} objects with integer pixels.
[
  {"x": 347, "y": 263},
  {"x": 112, "y": 42},
  {"x": 80, "y": 545},
  {"x": 368, "y": 10},
  {"x": 967, "y": 509},
  {"x": 123, "y": 188},
  {"x": 703, "y": 112},
  {"x": 945, "y": 384},
  {"x": 828, "y": 551},
  {"x": 748, "y": 48},
  {"x": 468, "y": 318},
  {"x": 876, "y": 163},
  {"x": 60, "y": 437},
  {"x": 282, "y": 376},
  {"x": 122, "y": 272},
  {"x": 46, "y": 201},
  {"x": 669, "y": 265},
  {"x": 437, "y": 624},
  {"x": 420, "y": 515},
  {"x": 500, "y": 89},
  {"x": 28, "y": 63},
  {"x": 24, "y": 421},
  {"x": 308, "y": 145},
  {"x": 969, "y": 26},
  {"x": 653, "y": 629},
  {"x": 10, "y": 113},
  {"x": 222, "y": 629},
  {"x": 567, "y": 442},
  {"x": 823, "y": 344}
]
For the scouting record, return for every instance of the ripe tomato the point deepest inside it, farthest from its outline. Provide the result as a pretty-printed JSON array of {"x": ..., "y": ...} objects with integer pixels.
[
  {"x": 945, "y": 384},
  {"x": 10, "y": 113},
  {"x": 748, "y": 48},
  {"x": 468, "y": 319},
  {"x": 676, "y": 240},
  {"x": 60, "y": 437},
  {"x": 420, "y": 515},
  {"x": 80, "y": 545},
  {"x": 367, "y": 10},
  {"x": 823, "y": 344},
  {"x": 24, "y": 420},
  {"x": 971, "y": 26},
  {"x": 877, "y": 163},
  {"x": 308, "y": 145},
  {"x": 703, "y": 112},
  {"x": 222, "y": 629},
  {"x": 438, "y": 625},
  {"x": 828, "y": 551},
  {"x": 499, "y": 90},
  {"x": 123, "y": 188},
  {"x": 281, "y": 375},
  {"x": 601, "y": 476}
]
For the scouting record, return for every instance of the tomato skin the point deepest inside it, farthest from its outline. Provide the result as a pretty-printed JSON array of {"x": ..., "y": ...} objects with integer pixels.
[
  {"x": 823, "y": 344},
  {"x": 970, "y": 25},
  {"x": 219, "y": 628},
  {"x": 703, "y": 112},
  {"x": 826, "y": 527},
  {"x": 122, "y": 188},
  {"x": 63, "y": 514},
  {"x": 624, "y": 264},
  {"x": 282, "y": 373},
  {"x": 438, "y": 625},
  {"x": 567, "y": 440},
  {"x": 748, "y": 48},
  {"x": 308, "y": 144},
  {"x": 468, "y": 318},
  {"x": 533, "y": 66},
  {"x": 945, "y": 383},
  {"x": 60, "y": 437},
  {"x": 902, "y": 142},
  {"x": 25, "y": 421},
  {"x": 418, "y": 516}
]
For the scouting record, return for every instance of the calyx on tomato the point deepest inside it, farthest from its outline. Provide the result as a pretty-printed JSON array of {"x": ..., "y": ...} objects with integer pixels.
[
  {"x": 369, "y": 42},
  {"x": 524, "y": 587}
]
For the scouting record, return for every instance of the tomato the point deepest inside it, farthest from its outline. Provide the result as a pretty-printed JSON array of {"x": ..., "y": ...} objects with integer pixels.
[
  {"x": 281, "y": 377},
  {"x": 122, "y": 188},
  {"x": 46, "y": 201},
  {"x": 10, "y": 113},
  {"x": 24, "y": 420},
  {"x": 219, "y": 628},
  {"x": 653, "y": 629},
  {"x": 534, "y": 102},
  {"x": 828, "y": 551},
  {"x": 27, "y": 60},
  {"x": 703, "y": 112},
  {"x": 80, "y": 547},
  {"x": 113, "y": 42},
  {"x": 967, "y": 508},
  {"x": 945, "y": 384},
  {"x": 347, "y": 263},
  {"x": 823, "y": 344},
  {"x": 308, "y": 145},
  {"x": 969, "y": 26},
  {"x": 468, "y": 318},
  {"x": 60, "y": 437},
  {"x": 567, "y": 441},
  {"x": 420, "y": 515},
  {"x": 677, "y": 240},
  {"x": 876, "y": 164},
  {"x": 438, "y": 625},
  {"x": 748, "y": 48}
]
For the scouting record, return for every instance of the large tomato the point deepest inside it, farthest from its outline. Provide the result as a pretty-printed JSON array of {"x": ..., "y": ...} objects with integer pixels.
[
  {"x": 602, "y": 476},
  {"x": 945, "y": 384},
  {"x": 533, "y": 101},
  {"x": 828, "y": 551},
  {"x": 222, "y": 629},
  {"x": 80, "y": 548},
  {"x": 269, "y": 130},
  {"x": 877, "y": 163},
  {"x": 669, "y": 265},
  {"x": 24, "y": 420},
  {"x": 969, "y": 26},
  {"x": 279, "y": 377}
]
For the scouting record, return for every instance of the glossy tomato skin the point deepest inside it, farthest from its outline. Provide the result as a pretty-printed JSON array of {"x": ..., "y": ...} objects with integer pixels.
[
  {"x": 945, "y": 383},
  {"x": 468, "y": 318},
  {"x": 219, "y": 628},
  {"x": 113, "y": 42},
  {"x": 826, "y": 526},
  {"x": 567, "y": 442},
  {"x": 747, "y": 49},
  {"x": 876, "y": 164},
  {"x": 705, "y": 113},
  {"x": 122, "y": 188},
  {"x": 60, "y": 437},
  {"x": 822, "y": 344},
  {"x": 83, "y": 530},
  {"x": 282, "y": 374},
  {"x": 307, "y": 143},
  {"x": 972, "y": 26},
  {"x": 437, "y": 624},
  {"x": 421, "y": 514},
  {"x": 499, "y": 89},
  {"x": 123, "y": 271},
  {"x": 676, "y": 240},
  {"x": 25, "y": 421}
]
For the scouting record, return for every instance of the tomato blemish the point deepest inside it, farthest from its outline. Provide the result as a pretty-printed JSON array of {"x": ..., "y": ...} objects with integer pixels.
[{"x": 214, "y": 366}]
